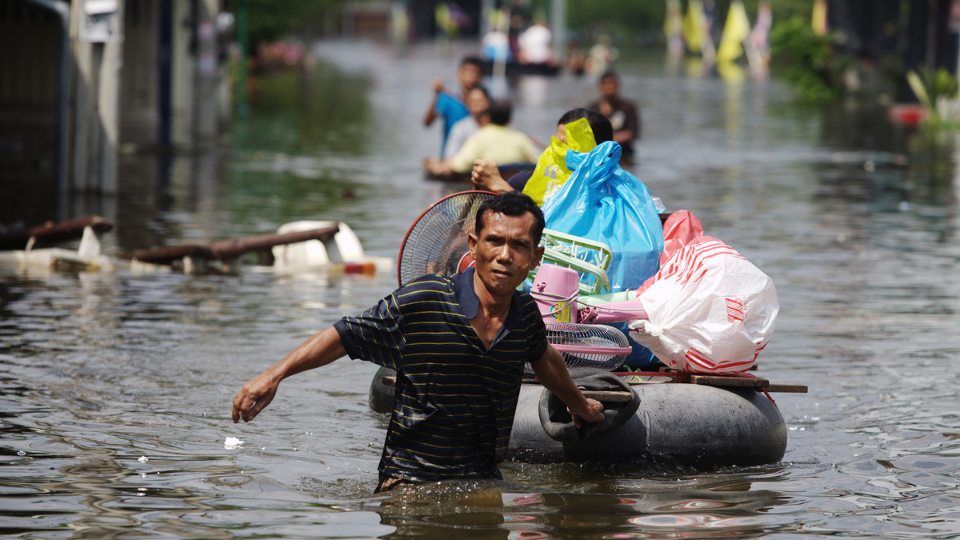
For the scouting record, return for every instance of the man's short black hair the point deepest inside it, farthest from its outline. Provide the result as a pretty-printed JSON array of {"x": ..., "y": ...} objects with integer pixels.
[
  {"x": 472, "y": 61},
  {"x": 512, "y": 203},
  {"x": 609, "y": 74},
  {"x": 500, "y": 111},
  {"x": 602, "y": 130}
]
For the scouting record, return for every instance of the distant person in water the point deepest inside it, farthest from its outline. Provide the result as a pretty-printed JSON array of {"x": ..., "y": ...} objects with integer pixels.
[
  {"x": 622, "y": 113},
  {"x": 449, "y": 106},
  {"x": 536, "y": 44},
  {"x": 486, "y": 174},
  {"x": 601, "y": 56},
  {"x": 494, "y": 141},
  {"x": 575, "y": 62}
]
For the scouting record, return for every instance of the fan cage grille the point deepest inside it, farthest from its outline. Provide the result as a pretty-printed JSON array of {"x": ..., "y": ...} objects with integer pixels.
[
  {"x": 594, "y": 336},
  {"x": 438, "y": 239}
]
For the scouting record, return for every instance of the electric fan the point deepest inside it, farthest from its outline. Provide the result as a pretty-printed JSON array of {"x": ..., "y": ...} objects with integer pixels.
[
  {"x": 588, "y": 345},
  {"x": 437, "y": 241}
]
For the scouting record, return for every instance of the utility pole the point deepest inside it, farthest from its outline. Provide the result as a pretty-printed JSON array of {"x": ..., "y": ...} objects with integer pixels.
[
  {"x": 558, "y": 23},
  {"x": 243, "y": 43},
  {"x": 205, "y": 108},
  {"x": 96, "y": 32}
]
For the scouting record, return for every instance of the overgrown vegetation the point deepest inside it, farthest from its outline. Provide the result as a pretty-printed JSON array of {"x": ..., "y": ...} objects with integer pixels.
[
  {"x": 271, "y": 20},
  {"x": 809, "y": 61},
  {"x": 938, "y": 93},
  {"x": 628, "y": 20},
  {"x": 938, "y": 84}
]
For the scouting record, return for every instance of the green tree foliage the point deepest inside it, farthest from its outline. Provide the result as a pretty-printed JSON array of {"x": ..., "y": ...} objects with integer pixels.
[
  {"x": 627, "y": 19},
  {"x": 617, "y": 17},
  {"x": 271, "y": 20},
  {"x": 810, "y": 61}
]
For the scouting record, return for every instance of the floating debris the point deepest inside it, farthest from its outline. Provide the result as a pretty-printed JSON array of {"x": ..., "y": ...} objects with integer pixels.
[{"x": 232, "y": 443}]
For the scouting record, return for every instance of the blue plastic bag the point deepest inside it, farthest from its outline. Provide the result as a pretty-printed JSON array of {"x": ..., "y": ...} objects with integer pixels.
[{"x": 601, "y": 201}]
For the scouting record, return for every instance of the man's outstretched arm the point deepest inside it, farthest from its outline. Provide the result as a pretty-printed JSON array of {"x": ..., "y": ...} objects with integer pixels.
[
  {"x": 552, "y": 372},
  {"x": 258, "y": 392}
]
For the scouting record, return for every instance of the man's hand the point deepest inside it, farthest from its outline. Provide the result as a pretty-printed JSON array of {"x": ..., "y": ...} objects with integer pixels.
[
  {"x": 437, "y": 166},
  {"x": 437, "y": 85},
  {"x": 255, "y": 396},
  {"x": 486, "y": 176},
  {"x": 553, "y": 374},
  {"x": 319, "y": 350},
  {"x": 593, "y": 413}
]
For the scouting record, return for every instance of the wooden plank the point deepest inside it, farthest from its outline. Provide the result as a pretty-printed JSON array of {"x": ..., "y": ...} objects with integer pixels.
[
  {"x": 55, "y": 232},
  {"x": 227, "y": 249},
  {"x": 788, "y": 388},
  {"x": 726, "y": 380},
  {"x": 747, "y": 382}
]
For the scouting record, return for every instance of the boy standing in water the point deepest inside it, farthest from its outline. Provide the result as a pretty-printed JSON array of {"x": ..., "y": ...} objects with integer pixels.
[{"x": 449, "y": 106}]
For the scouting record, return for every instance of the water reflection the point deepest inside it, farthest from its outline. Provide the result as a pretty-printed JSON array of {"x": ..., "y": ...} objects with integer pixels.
[
  {"x": 491, "y": 511},
  {"x": 854, "y": 219},
  {"x": 325, "y": 112}
]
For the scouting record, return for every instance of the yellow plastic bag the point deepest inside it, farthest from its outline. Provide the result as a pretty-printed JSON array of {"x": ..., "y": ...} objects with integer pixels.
[{"x": 552, "y": 171}]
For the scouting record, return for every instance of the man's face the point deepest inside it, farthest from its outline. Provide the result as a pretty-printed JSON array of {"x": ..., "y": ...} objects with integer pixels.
[
  {"x": 609, "y": 87},
  {"x": 504, "y": 251},
  {"x": 469, "y": 75}
]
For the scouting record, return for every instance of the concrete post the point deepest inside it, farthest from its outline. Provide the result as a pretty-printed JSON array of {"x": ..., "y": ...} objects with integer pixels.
[
  {"x": 558, "y": 25},
  {"x": 95, "y": 114},
  {"x": 243, "y": 41},
  {"x": 206, "y": 108},
  {"x": 181, "y": 75},
  {"x": 109, "y": 108},
  {"x": 195, "y": 73},
  {"x": 140, "y": 86}
]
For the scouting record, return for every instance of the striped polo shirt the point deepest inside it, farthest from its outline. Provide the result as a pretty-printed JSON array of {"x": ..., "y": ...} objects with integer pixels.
[{"x": 455, "y": 399}]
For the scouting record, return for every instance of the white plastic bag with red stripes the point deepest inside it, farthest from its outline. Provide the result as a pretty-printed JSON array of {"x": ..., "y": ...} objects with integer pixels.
[{"x": 709, "y": 310}]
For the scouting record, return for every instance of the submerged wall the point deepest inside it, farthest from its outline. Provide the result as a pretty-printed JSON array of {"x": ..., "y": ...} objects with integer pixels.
[{"x": 30, "y": 50}]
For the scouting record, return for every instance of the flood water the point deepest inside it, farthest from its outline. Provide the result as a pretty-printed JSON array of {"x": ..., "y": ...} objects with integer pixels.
[{"x": 115, "y": 388}]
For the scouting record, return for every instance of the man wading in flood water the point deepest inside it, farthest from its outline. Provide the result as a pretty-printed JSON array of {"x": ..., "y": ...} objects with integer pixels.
[{"x": 458, "y": 345}]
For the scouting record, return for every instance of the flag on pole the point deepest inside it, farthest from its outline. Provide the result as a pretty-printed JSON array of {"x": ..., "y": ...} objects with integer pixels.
[
  {"x": 673, "y": 28},
  {"x": 735, "y": 30},
  {"x": 692, "y": 25},
  {"x": 819, "y": 23}
]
